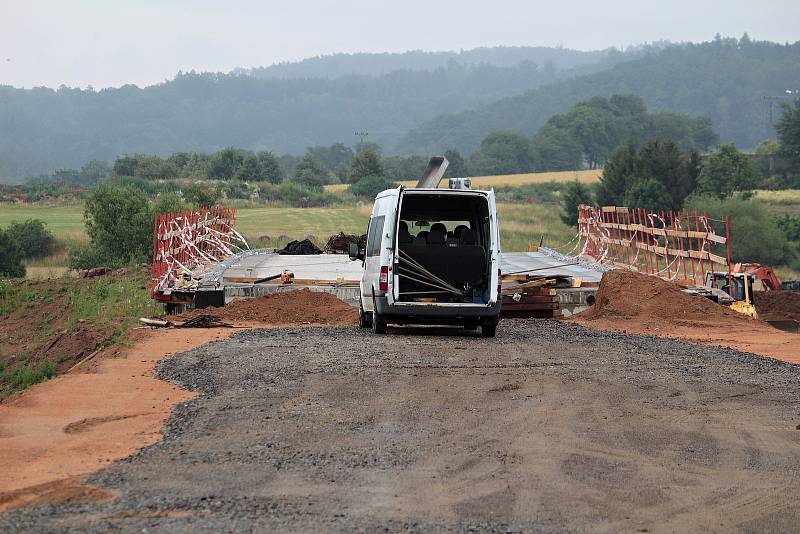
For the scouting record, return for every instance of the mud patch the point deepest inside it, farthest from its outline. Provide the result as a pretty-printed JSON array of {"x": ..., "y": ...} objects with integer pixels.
[
  {"x": 69, "y": 490},
  {"x": 87, "y": 424}
]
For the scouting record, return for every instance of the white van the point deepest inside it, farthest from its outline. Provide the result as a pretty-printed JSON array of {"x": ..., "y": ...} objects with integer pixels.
[{"x": 432, "y": 257}]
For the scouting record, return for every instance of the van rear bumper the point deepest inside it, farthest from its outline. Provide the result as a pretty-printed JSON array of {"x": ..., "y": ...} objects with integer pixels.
[{"x": 431, "y": 314}]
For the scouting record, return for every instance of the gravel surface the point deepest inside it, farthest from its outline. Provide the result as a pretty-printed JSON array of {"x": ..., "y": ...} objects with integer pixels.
[{"x": 548, "y": 427}]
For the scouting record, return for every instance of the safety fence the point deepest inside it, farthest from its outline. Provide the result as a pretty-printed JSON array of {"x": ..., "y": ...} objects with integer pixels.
[
  {"x": 678, "y": 246},
  {"x": 189, "y": 243}
]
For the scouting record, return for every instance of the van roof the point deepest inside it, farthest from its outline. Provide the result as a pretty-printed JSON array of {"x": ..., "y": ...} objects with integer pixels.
[{"x": 445, "y": 191}]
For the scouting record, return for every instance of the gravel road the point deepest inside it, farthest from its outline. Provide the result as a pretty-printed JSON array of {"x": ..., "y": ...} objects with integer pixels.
[{"x": 549, "y": 427}]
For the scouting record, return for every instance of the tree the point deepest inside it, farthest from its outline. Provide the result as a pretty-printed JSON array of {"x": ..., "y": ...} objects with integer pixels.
[
  {"x": 11, "y": 265},
  {"x": 370, "y": 186},
  {"x": 788, "y": 129},
  {"x": 249, "y": 170},
  {"x": 32, "y": 238},
  {"x": 621, "y": 170},
  {"x": 154, "y": 168},
  {"x": 664, "y": 162},
  {"x": 648, "y": 193},
  {"x": 120, "y": 226},
  {"x": 224, "y": 163},
  {"x": 503, "y": 152},
  {"x": 554, "y": 149},
  {"x": 309, "y": 173},
  {"x": 270, "y": 167},
  {"x": 94, "y": 172},
  {"x": 726, "y": 171},
  {"x": 366, "y": 163},
  {"x": 573, "y": 196},
  {"x": 458, "y": 165},
  {"x": 125, "y": 165}
]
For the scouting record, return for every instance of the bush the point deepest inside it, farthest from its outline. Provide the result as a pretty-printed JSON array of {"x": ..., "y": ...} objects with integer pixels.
[
  {"x": 200, "y": 196},
  {"x": 369, "y": 186},
  {"x": 119, "y": 222},
  {"x": 297, "y": 195},
  {"x": 32, "y": 238},
  {"x": 754, "y": 235},
  {"x": 10, "y": 258},
  {"x": 170, "y": 203},
  {"x": 790, "y": 226}
]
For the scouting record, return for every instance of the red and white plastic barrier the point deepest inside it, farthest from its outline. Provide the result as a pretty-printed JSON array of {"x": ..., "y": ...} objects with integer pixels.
[
  {"x": 674, "y": 246},
  {"x": 189, "y": 243}
]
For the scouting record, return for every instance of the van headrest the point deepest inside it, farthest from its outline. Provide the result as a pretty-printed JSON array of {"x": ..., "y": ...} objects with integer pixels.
[
  {"x": 458, "y": 229},
  {"x": 439, "y": 227},
  {"x": 436, "y": 237},
  {"x": 469, "y": 237}
]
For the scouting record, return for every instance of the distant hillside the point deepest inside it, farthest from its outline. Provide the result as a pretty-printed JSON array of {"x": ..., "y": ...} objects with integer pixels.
[
  {"x": 725, "y": 80},
  {"x": 338, "y": 65},
  {"x": 45, "y": 129}
]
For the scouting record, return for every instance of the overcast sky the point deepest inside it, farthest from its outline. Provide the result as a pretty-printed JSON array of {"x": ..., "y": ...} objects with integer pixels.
[{"x": 113, "y": 42}]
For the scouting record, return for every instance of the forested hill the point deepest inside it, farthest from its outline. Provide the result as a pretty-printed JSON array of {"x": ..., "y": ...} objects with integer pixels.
[
  {"x": 374, "y": 64},
  {"x": 45, "y": 129},
  {"x": 725, "y": 79}
]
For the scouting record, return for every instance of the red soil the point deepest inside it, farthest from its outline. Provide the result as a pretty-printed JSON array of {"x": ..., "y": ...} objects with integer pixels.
[{"x": 301, "y": 307}]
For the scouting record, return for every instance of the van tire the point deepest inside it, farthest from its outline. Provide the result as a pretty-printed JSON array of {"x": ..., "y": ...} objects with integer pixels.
[
  {"x": 488, "y": 328},
  {"x": 364, "y": 318},
  {"x": 378, "y": 324}
]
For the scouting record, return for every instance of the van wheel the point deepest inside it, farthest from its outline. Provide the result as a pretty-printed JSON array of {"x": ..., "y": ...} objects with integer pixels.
[
  {"x": 364, "y": 318},
  {"x": 488, "y": 328},
  {"x": 378, "y": 324}
]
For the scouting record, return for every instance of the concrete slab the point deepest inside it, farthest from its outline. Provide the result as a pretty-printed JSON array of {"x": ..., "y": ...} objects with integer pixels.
[{"x": 521, "y": 261}]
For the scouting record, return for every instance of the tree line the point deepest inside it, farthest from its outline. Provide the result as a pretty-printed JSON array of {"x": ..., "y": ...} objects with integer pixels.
[
  {"x": 658, "y": 175},
  {"x": 725, "y": 79}
]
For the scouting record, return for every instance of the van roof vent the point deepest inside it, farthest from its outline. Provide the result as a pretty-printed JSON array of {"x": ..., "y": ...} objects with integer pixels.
[{"x": 459, "y": 183}]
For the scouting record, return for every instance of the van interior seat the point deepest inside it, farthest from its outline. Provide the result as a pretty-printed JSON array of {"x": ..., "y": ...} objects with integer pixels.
[
  {"x": 435, "y": 237},
  {"x": 469, "y": 237},
  {"x": 461, "y": 266},
  {"x": 404, "y": 237},
  {"x": 439, "y": 227}
]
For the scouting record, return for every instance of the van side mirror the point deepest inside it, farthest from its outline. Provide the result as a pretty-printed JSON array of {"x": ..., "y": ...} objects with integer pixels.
[{"x": 354, "y": 253}]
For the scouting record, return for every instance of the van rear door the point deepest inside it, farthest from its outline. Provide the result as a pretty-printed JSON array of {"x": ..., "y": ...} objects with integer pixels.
[{"x": 494, "y": 249}]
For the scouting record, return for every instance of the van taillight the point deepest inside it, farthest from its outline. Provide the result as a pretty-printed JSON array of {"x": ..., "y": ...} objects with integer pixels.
[{"x": 383, "y": 281}]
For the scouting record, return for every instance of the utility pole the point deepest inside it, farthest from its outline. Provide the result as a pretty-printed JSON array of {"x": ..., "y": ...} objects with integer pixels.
[
  {"x": 361, "y": 137},
  {"x": 771, "y": 99}
]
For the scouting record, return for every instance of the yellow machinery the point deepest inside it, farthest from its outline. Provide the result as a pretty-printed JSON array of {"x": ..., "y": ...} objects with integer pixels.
[{"x": 739, "y": 287}]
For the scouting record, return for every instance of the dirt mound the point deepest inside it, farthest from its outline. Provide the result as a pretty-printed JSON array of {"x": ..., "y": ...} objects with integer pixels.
[
  {"x": 777, "y": 305},
  {"x": 636, "y": 299},
  {"x": 287, "y": 307}
]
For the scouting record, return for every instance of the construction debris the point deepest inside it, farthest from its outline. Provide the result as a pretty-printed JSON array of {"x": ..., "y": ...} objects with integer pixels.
[
  {"x": 205, "y": 321},
  {"x": 299, "y": 248},
  {"x": 340, "y": 243}
]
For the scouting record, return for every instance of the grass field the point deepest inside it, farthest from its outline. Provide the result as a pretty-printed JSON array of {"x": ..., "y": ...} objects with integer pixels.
[
  {"x": 486, "y": 182},
  {"x": 66, "y": 222}
]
